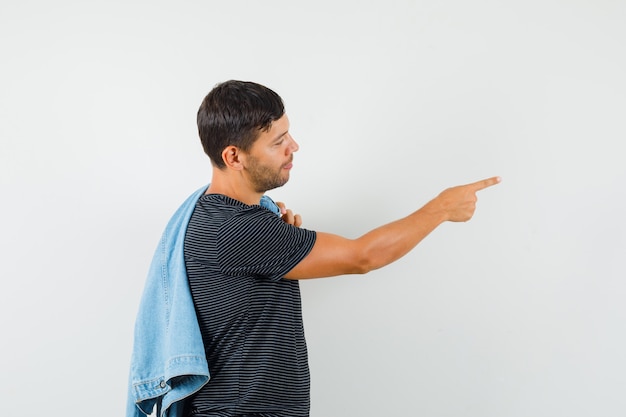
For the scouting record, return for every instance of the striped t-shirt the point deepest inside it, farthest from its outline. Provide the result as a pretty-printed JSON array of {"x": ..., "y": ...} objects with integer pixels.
[{"x": 250, "y": 316}]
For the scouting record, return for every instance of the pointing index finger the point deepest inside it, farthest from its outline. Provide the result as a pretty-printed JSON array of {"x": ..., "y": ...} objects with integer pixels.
[{"x": 481, "y": 185}]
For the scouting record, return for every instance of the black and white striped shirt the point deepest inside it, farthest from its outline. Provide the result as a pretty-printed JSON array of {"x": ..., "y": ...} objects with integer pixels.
[{"x": 250, "y": 316}]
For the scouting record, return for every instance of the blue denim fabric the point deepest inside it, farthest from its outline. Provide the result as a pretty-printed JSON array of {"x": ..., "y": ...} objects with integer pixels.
[{"x": 168, "y": 361}]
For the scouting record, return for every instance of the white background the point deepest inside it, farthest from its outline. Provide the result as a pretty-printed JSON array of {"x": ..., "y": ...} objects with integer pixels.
[{"x": 519, "y": 312}]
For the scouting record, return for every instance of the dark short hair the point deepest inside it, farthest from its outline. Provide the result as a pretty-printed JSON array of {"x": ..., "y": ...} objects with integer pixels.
[{"x": 235, "y": 113}]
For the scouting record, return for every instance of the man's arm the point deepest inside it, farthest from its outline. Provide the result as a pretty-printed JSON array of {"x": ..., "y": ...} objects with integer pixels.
[{"x": 335, "y": 255}]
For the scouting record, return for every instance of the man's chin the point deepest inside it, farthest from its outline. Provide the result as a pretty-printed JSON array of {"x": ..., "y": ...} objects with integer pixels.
[{"x": 269, "y": 187}]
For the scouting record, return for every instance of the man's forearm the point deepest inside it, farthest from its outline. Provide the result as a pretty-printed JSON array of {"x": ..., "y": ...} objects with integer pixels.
[{"x": 392, "y": 241}]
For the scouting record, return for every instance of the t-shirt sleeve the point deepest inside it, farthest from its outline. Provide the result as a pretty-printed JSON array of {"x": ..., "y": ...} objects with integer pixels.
[{"x": 256, "y": 242}]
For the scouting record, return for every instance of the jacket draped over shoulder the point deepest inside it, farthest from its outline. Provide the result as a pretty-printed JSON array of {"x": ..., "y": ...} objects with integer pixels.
[{"x": 168, "y": 361}]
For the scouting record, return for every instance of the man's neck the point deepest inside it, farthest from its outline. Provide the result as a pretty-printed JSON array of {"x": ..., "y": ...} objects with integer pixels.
[{"x": 234, "y": 186}]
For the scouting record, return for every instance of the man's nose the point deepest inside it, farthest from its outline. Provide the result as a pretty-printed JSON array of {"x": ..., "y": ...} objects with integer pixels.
[{"x": 293, "y": 145}]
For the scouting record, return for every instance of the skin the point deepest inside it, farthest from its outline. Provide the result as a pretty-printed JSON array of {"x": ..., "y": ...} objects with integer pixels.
[
  {"x": 248, "y": 175},
  {"x": 267, "y": 165}
]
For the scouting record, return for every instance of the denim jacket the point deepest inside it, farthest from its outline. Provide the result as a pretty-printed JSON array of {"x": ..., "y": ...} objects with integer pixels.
[{"x": 168, "y": 361}]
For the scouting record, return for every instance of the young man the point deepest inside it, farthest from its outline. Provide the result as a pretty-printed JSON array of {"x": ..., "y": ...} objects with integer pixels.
[{"x": 243, "y": 261}]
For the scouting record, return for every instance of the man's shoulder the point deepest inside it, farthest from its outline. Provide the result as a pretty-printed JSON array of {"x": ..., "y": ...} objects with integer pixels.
[{"x": 222, "y": 211}]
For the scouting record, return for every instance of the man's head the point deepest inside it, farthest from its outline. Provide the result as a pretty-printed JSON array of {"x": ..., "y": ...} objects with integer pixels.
[{"x": 234, "y": 113}]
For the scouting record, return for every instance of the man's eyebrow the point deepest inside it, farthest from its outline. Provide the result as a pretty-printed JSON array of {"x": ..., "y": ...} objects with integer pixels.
[{"x": 280, "y": 136}]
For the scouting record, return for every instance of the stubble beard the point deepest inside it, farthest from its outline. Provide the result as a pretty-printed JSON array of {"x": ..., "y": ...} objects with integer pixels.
[{"x": 265, "y": 178}]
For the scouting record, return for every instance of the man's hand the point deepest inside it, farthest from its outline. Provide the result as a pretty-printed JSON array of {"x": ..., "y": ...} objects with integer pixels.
[
  {"x": 459, "y": 203},
  {"x": 288, "y": 216}
]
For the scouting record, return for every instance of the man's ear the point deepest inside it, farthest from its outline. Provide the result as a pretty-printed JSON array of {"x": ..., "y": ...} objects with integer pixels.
[{"x": 231, "y": 155}]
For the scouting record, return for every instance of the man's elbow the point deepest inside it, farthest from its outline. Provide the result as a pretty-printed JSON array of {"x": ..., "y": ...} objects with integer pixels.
[{"x": 363, "y": 264}]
